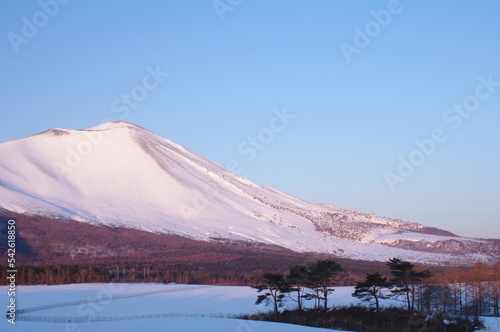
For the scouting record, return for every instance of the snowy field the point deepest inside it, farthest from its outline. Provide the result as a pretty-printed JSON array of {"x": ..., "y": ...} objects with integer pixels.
[{"x": 149, "y": 307}]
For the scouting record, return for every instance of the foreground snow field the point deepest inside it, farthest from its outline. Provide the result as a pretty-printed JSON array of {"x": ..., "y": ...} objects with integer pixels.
[
  {"x": 163, "y": 324},
  {"x": 149, "y": 307},
  {"x": 136, "y": 303}
]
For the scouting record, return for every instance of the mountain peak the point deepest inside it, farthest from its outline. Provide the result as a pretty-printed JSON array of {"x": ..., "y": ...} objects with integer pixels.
[
  {"x": 120, "y": 174},
  {"x": 114, "y": 124}
]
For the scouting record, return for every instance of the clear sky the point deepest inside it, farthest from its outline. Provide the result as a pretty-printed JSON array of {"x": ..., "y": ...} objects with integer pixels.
[{"x": 355, "y": 85}]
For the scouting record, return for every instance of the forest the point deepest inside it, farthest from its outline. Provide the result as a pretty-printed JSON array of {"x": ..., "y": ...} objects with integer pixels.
[
  {"x": 420, "y": 301},
  {"x": 470, "y": 291}
]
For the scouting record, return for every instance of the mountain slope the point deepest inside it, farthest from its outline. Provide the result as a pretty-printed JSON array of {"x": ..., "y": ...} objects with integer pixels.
[{"x": 120, "y": 174}]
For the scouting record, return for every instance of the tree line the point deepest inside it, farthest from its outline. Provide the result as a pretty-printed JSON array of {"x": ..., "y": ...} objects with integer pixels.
[
  {"x": 56, "y": 274},
  {"x": 473, "y": 291},
  {"x": 470, "y": 291},
  {"x": 458, "y": 291},
  {"x": 78, "y": 273}
]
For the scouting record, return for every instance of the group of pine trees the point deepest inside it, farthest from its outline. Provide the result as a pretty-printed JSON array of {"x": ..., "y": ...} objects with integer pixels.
[
  {"x": 307, "y": 282},
  {"x": 404, "y": 283},
  {"x": 471, "y": 292}
]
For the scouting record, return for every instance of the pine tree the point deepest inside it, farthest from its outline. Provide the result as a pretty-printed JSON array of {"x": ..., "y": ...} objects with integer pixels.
[
  {"x": 297, "y": 278},
  {"x": 406, "y": 278},
  {"x": 372, "y": 288},
  {"x": 276, "y": 286},
  {"x": 321, "y": 276}
]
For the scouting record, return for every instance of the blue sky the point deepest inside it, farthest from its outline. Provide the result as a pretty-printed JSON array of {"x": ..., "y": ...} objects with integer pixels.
[{"x": 362, "y": 80}]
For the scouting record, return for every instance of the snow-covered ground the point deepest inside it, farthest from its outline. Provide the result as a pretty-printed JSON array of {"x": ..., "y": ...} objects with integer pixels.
[
  {"x": 492, "y": 324},
  {"x": 143, "y": 307},
  {"x": 150, "y": 307}
]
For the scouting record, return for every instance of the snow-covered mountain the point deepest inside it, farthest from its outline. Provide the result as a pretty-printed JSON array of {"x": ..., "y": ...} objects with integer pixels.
[{"x": 120, "y": 174}]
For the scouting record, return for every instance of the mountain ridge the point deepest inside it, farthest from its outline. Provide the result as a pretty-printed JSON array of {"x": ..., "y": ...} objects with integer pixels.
[{"x": 120, "y": 174}]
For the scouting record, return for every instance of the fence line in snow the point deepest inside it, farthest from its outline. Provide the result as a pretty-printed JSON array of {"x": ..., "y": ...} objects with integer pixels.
[{"x": 93, "y": 319}]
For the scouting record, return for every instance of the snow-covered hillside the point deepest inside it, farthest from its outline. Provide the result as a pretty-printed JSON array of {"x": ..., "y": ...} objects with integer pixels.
[{"x": 121, "y": 174}]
